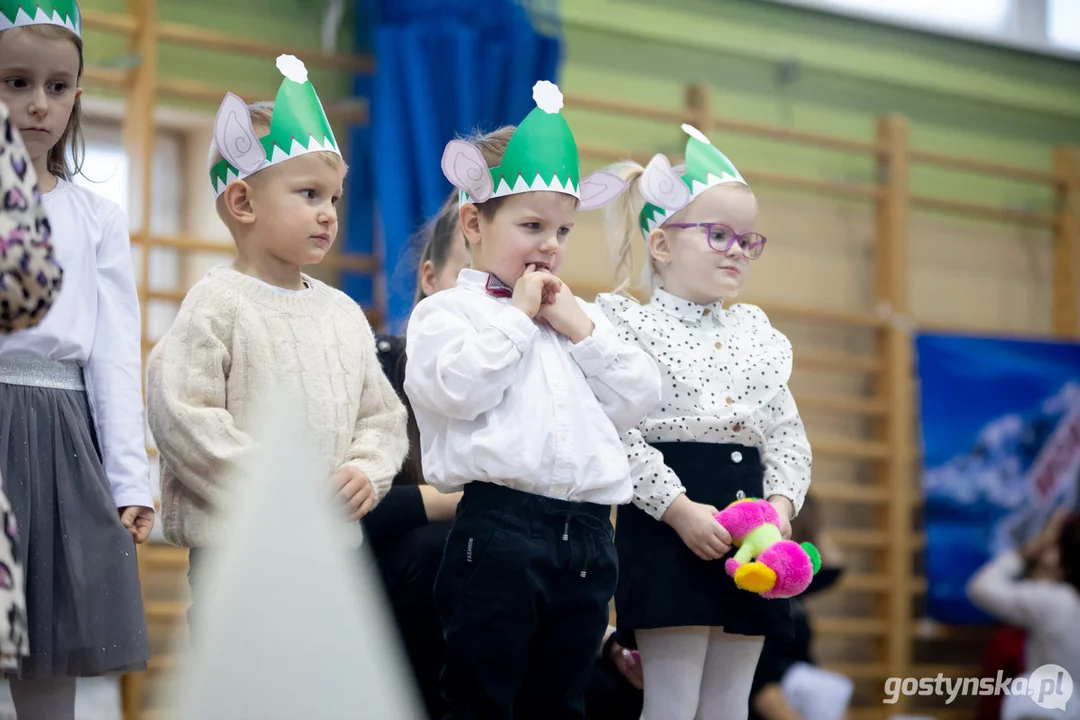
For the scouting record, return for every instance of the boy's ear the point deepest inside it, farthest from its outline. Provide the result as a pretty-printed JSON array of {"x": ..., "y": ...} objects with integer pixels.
[
  {"x": 238, "y": 202},
  {"x": 427, "y": 277},
  {"x": 470, "y": 223}
]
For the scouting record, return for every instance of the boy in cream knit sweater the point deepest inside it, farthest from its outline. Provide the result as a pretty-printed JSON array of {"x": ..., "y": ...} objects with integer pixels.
[{"x": 261, "y": 323}]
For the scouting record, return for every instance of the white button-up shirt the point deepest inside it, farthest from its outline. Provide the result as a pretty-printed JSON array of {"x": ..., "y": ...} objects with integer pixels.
[
  {"x": 501, "y": 398},
  {"x": 725, "y": 381}
]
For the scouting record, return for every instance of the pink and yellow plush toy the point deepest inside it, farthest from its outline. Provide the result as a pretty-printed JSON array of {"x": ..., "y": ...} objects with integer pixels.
[{"x": 765, "y": 563}]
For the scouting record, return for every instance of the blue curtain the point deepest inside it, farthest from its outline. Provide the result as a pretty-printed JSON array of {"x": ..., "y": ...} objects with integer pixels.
[{"x": 444, "y": 68}]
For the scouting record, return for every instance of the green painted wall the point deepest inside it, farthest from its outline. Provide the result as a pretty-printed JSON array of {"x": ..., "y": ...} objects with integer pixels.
[
  {"x": 959, "y": 97},
  {"x": 292, "y": 23}
]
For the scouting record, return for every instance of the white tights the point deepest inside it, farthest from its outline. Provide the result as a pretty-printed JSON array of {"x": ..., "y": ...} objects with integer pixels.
[
  {"x": 697, "y": 673},
  {"x": 51, "y": 699}
]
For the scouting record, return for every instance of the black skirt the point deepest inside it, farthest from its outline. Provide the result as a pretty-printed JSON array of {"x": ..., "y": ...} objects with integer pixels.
[
  {"x": 83, "y": 598},
  {"x": 662, "y": 583}
]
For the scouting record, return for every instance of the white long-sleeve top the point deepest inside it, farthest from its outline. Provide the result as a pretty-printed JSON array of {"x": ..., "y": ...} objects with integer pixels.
[
  {"x": 725, "y": 381},
  {"x": 96, "y": 320},
  {"x": 1048, "y": 610},
  {"x": 501, "y": 398}
]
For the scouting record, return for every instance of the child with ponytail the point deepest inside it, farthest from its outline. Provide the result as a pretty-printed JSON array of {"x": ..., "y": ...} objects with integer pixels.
[{"x": 726, "y": 428}]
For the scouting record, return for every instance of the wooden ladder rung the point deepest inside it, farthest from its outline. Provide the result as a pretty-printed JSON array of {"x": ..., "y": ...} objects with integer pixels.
[
  {"x": 932, "y": 670},
  {"x": 165, "y": 610},
  {"x": 850, "y": 626},
  {"x": 842, "y": 403},
  {"x": 859, "y": 671},
  {"x": 846, "y": 492},
  {"x": 856, "y": 538},
  {"x": 864, "y": 582},
  {"x": 870, "y": 582},
  {"x": 161, "y": 663},
  {"x": 822, "y": 315},
  {"x": 930, "y": 630},
  {"x": 840, "y": 362},
  {"x": 162, "y": 554},
  {"x": 869, "y": 713},
  {"x": 843, "y": 447}
]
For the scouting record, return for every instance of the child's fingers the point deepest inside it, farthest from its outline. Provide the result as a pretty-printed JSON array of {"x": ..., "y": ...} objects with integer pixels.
[
  {"x": 364, "y": 509},
  {"x": 723, "y": 534}
]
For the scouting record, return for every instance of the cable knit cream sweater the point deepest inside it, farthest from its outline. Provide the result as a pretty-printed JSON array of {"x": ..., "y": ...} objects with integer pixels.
[{"x": 234, "y": 339}]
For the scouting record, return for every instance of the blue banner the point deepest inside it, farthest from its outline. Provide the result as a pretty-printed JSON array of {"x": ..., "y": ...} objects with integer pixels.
[{"x": 1001, "y": 443}]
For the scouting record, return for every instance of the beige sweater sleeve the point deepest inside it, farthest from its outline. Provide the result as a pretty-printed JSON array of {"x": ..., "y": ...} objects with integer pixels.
[
  {"x": 197, "y": 437},
  {"x": 380, "y": 441}
]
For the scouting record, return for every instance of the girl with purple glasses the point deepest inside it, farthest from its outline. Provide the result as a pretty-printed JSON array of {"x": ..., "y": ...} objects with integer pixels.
[{"x": 726, "y": 429}]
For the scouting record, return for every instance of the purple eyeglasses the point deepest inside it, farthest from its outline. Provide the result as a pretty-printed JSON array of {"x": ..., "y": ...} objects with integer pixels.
[{"x": 721, "y": 238}]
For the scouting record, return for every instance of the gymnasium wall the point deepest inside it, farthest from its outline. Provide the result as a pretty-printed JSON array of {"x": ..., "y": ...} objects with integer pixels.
[{"x": 815, "y": 72}]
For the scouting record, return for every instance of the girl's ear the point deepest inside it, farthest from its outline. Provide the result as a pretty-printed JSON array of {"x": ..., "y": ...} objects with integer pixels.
[
  {"x": 238, "y": 202},
  {"x": 660, "y": 246},
  {"x": 470, "y": 223}
]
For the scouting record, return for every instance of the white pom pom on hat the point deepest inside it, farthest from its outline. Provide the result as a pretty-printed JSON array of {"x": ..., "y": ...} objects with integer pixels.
[
  {"x": 548, "y": 97},
  {"x": 293, "y": 68},
  {"x": 695, "y": 133}
]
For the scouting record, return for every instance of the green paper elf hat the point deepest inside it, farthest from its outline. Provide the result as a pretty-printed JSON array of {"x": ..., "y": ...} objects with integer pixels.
[
  {"x": 20, "y": 13},
  {"x": 541, "y": 156},
  {"x": 297, "y": 126},
  {"x": 666, "y": 193}
]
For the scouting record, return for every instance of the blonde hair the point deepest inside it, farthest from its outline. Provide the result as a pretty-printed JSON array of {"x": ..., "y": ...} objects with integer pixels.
[
  {"x": 492, "y": 146},
  {"x": 622, "y": 229},
  {"x": 72, "y": 138}
]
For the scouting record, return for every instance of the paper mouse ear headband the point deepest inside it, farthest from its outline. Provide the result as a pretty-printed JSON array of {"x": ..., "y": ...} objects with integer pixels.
[
  {"x": 666, "y": 193},
  {"x": 20, "y": 13},
  {"x": 541, "y": 155},
  {"x": 297, "y": 126}
]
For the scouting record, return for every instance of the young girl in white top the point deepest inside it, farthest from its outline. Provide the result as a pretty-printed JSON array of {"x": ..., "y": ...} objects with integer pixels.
[
  {"x": 72, "y": 438},
  {"x": 726, "y": 428}
]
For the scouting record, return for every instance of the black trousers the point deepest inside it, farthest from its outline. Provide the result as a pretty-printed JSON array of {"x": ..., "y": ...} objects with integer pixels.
[{"x": 523, "y": 593}]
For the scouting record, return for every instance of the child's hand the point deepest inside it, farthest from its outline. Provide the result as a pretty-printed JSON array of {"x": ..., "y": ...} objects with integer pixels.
[
  {"x": 534, "y": 289},
  {"x": 566, "y": 316},
  {"x": 355, "y": 491},
  {"x": 786, "y": 511},
  {"x": 697, "y": 526},
  {"x": 139, "y": 521},
  {"x": 629, "y": 664}
]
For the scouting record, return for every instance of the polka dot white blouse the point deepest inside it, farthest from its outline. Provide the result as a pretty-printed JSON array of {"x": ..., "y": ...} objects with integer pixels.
[{"x": 725, "y": 376}]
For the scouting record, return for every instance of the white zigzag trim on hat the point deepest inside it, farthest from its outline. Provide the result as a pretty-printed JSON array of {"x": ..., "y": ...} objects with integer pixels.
[
  {"x": 697, "y": 187},
  {"x": 280, "y": 156},
  {"x": 538, "y": 184},
  {"x": 22, "y": 19}
]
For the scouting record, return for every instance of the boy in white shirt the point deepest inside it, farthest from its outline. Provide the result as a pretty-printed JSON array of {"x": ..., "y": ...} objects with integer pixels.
[{"x": 521, "y": 393}]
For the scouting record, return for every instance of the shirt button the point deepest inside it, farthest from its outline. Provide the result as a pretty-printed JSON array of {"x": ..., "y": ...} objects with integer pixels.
[
  {"x": 736, "y": 457},
  {"x": 737, "y": 427},
  {"x": 719, "y": 345},
  {"x": 705, "y": 312},
  {"x": 558, "y": 492},
  {"x": 729, "y": 400},
  {"x": 562, "y": 437}
]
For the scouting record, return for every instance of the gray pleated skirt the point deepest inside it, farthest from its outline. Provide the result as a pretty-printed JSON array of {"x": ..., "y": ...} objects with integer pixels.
[{"x": 83, "y": 599}]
